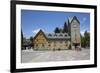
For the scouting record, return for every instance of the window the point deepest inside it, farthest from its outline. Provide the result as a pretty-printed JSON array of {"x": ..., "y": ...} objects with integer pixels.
[
  {"x": 42, "y": 45},
  {"x": 65, "y": 35},
  {"x": 60, "y": 41},
  {"x": 49, "y": 42},
  {"x": 49, "y": 45},
  {"x": 66, "y": 45},
  {"x": 65, "y": 41},
  {"x": 54, "y": 44},
  {"x": 40, "y": 33},
  {"x": 36, "y": 45},
  {"x": 49, "y": 35},
  {"x": 60, "y": 35},
  {"x": 55, "y": 34},
  {"x": 37, "y": 40}
]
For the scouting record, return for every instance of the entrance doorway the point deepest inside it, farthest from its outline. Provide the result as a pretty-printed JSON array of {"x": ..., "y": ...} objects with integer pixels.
[{"x": 76, "y": 45}]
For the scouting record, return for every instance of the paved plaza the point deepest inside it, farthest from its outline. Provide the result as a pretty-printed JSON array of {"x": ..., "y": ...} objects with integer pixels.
[{"x": 29, "y": 56}]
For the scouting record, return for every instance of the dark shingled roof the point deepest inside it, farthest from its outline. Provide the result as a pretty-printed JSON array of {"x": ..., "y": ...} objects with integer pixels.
[{"x": 57, "y": 35}]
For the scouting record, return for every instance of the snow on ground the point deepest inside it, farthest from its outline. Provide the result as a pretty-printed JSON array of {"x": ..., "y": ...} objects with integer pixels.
[{"x": 62, "y": 55}]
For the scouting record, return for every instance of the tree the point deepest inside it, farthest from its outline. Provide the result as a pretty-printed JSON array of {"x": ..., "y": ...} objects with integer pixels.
[
  {"x": 31, "y": 41},
  {"x": 24, "y": 43},
  {"x": 65, "y": 28},
  {"x": 82, "y": 41},
  {"x": 57, "y": 30},
  {"x": 85, "y": 39},
  {"x": 61, "y": 30},
  {"x": 21, "y": 39}
]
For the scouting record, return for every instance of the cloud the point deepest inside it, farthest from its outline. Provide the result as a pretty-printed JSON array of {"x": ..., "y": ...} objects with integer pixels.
[
  {"x": 84, "y": 19},
  {"x": 83, "y": 24},
  {"x": 36, "y": 30},
  {"x": 82, "y": 32}
]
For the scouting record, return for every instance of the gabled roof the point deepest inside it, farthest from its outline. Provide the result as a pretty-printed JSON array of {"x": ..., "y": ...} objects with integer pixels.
[
  {"x": 39, "y": 33},
  {"x": 70, "y": 20}
]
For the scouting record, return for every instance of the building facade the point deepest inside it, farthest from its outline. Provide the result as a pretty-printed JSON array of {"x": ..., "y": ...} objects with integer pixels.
[{"x": 59, "y": 41}]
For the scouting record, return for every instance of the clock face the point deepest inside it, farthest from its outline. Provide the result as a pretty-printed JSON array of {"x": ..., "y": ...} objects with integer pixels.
[{"x": 74, "y": 25}]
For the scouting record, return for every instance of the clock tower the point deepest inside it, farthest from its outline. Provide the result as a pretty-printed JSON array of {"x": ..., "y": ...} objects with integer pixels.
[{"x": 75, "y": 32}]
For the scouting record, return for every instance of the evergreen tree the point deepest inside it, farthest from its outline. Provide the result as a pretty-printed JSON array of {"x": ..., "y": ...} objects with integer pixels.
[
  {"x": 61, "y": 30},
  {"x": 82, "y": 41},
  {"x": 57, "y": 30},
  {"x": 85, "y": 39},
  {"x": 65, "y": 28},
  {"x": 31, "y": 41},
  {"x": 21, "y": 39}
]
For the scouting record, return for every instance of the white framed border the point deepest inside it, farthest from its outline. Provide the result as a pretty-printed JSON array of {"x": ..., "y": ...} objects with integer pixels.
[{"x": 20, "y": 65}]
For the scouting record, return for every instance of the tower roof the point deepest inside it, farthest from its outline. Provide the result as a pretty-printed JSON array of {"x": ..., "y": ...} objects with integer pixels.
[{"x": 70, "y": 20}]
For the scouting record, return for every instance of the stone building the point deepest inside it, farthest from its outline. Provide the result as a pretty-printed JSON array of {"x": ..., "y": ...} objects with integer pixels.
[{"x": 59, "y": 41}]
